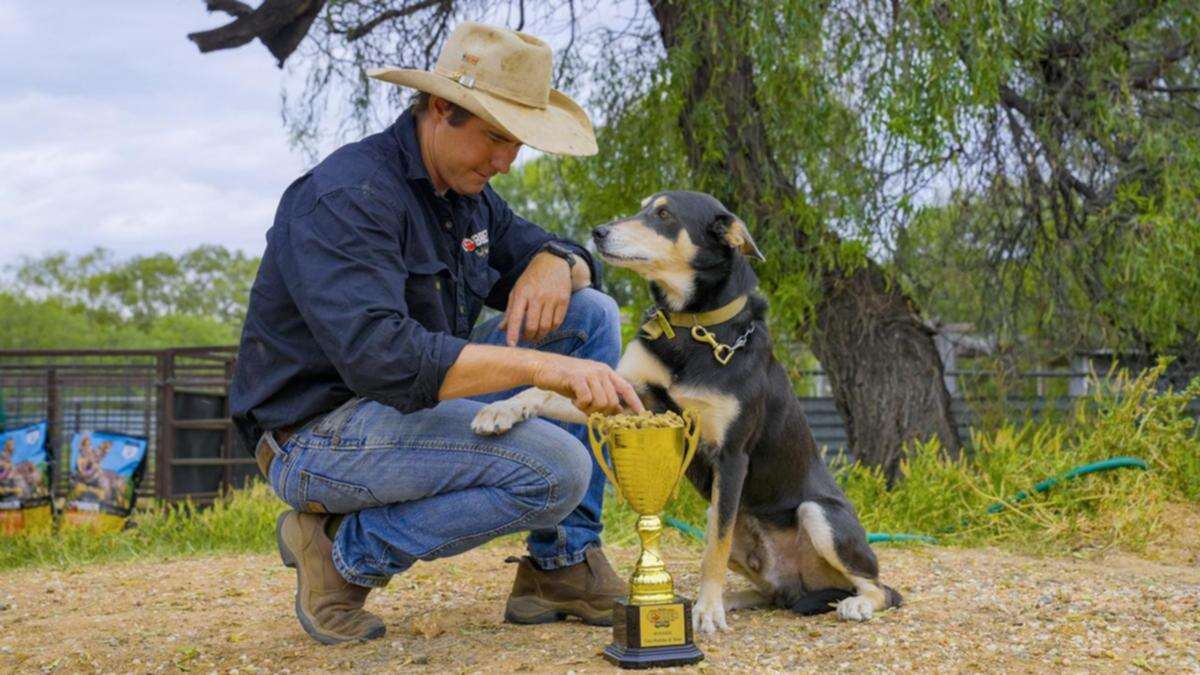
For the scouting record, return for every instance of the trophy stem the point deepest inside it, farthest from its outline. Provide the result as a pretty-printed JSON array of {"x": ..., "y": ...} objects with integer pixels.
[{"x": 651, "y": 583}]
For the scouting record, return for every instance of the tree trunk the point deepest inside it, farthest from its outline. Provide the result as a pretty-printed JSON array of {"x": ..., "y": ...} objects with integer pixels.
[{"x": 881, "y": 361}]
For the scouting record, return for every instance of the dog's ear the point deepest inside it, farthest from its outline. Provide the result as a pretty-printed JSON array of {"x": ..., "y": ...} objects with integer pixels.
[{"x": 735, "y": 233}]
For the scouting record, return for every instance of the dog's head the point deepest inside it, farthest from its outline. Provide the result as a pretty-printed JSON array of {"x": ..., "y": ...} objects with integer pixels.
[
  {"x": 674, "y": 238},
  {"x": 88, "y": 462}
]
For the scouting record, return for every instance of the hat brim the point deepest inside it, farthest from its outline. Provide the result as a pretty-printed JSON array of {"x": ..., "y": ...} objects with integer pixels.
[{"x": 561, "y": 128}]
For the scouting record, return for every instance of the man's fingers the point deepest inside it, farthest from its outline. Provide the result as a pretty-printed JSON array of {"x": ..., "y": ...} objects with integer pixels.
[
  {"x": 547, "y": 323},
  {"x": 515, "y": 317},
  {"x": 560, "y": 313},
  {"x": 582, "y": 394},
  {"x": 612, "y": 402},
  {"x": 598, "y": 403},
  {"x": 629, "y": 395},
  {"x": 533, "y": 314}
]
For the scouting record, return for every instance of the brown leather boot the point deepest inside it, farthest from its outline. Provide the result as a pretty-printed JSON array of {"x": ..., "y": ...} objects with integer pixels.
[
  {"x": 328, "y": 606},
  {"x": 586, "y": 590}
]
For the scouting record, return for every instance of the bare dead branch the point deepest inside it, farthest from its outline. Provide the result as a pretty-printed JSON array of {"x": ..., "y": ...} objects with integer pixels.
[
  {"x": 391, "y": 14},
  {"x": 230, "y": 7},
  {"x": 279, "y": 24}
]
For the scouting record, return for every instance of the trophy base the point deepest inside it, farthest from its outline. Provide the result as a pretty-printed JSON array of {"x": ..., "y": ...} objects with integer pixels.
[{"x": 652, "y": 636}]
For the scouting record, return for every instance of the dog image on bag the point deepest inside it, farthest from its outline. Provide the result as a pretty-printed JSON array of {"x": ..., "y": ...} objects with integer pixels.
[
  {"x": 24, "y": 490},
  {"x": 90, "y": 480},
  {"x": 102, "y": 483},
  {"x": 22, "y": 480},
  {"x": 776, "y": 515},
  {"x": 8, "y": 470}
]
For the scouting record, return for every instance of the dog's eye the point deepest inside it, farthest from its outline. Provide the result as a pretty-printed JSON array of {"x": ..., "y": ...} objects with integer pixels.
[{"x": 663, "y": 213}]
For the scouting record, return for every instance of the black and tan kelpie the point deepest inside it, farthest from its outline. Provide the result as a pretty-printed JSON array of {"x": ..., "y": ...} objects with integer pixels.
[{"x": 776, "y": 515}]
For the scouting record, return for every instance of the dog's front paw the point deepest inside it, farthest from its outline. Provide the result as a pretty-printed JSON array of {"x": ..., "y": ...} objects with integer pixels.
[
  {"x": 708, "y": 614},
  {"x": 499, "y": 417},
  {"x": 855, "y": 608}
]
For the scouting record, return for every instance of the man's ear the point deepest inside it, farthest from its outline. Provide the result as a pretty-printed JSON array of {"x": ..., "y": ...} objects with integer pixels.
[{"x": 734, "y": 232}]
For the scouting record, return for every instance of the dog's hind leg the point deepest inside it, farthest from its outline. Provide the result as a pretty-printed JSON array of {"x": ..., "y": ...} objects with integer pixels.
[
  {"x": 746, "y": 599},
  {"x": 841, "y": 541}
]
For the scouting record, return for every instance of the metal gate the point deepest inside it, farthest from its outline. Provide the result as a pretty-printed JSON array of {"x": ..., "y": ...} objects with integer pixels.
[{"x": 175, "y": 398}]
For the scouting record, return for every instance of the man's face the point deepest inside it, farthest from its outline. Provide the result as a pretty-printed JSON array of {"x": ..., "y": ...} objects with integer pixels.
[{"x": 463, "y": 158}]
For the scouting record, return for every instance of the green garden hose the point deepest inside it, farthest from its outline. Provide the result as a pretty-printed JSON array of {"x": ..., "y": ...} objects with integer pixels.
[{"x": 887, "y": 537}]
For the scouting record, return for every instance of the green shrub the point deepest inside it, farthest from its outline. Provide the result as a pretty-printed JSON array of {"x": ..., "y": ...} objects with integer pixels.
[
  {"x": 243, "y": 522},
  {"x": 1121, "y": 508},
  {"x": 1129, "y": 509}
]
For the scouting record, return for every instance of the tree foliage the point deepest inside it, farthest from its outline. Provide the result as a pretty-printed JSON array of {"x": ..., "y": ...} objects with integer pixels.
[
  {"x": 1069, "y": 136},
  {"x": 97, "y": 300}
]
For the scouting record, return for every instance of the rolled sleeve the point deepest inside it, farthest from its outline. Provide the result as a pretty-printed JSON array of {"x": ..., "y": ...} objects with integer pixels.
[
  {"x": 514, "y": 242},
  {"x": 342, "y": 265}
]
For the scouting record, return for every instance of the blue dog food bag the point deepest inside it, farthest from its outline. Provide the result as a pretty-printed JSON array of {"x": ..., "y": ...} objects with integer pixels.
[
  {"x": 24, "y": 481},
  {"x": 102, "y": 486}
]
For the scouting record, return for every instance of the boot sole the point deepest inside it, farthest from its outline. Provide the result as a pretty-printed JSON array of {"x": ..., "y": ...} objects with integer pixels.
[
  {"x": 530, "y": 610},
  {"x": 289, "y": 560}
]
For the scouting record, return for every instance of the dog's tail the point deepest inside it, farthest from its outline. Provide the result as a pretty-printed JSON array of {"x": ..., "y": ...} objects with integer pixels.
[
  {"x": 826, "y": 599},
  {"x": 894, "y": 599},
  {"x": 819, "y": 602}
]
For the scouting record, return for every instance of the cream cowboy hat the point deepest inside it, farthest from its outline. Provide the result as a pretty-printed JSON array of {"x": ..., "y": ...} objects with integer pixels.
[{"x": 503, "y": 77}]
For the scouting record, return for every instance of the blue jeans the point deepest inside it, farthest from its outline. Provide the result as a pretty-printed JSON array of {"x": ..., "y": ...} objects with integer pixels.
[{"x": 423, "y": 485}]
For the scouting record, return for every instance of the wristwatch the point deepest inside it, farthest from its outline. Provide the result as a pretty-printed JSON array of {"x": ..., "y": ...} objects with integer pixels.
[{"x": 555, "y": 248}]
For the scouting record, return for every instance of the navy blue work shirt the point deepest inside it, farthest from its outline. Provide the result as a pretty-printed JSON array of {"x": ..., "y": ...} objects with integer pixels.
[{"x": 371, "y": 283}]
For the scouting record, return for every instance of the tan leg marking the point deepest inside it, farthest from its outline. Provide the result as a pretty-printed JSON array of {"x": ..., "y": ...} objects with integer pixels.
[
  {"x": 745, "y": 599},
  {"x": 708, "y": 615}
]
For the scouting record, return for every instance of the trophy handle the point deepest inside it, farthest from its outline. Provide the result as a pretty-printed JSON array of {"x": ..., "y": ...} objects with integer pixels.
[
  {"x": 691, "y": 441},
  {"x": 596, "y": 424}
]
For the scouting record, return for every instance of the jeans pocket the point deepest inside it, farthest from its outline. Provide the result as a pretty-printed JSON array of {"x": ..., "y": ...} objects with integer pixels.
[
  {"x": 331, "y": 425},
  {"x": 320, "y": 494}
]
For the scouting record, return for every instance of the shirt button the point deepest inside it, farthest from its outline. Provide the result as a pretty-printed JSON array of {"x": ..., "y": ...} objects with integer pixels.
[{"x": 447, "y": 225}]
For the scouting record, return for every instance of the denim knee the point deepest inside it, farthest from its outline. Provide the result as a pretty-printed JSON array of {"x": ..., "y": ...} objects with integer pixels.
[
  {"x": 600, "y": 318},
  {"x": 596, "y": 305},
  {"x": 570, "y": 472}
]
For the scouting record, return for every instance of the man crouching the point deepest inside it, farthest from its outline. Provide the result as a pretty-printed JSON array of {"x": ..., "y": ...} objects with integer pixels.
[{"x": 359, "y": 372}]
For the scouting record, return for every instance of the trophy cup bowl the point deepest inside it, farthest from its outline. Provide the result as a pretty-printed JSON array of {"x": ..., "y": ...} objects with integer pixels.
[{"x": 653, "y": 627}]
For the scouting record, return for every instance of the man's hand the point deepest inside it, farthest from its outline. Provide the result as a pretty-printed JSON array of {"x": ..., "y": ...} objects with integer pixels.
[
  {"x": 592, "y": 386},
  {"x": 538, "y": 301}
]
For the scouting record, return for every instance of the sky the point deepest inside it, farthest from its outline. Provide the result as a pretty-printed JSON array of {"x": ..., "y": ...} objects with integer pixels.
[{"x": 115, "y": 131}]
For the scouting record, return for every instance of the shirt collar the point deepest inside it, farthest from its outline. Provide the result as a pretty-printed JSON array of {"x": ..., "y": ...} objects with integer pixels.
[{"x": 405, "y": 133}]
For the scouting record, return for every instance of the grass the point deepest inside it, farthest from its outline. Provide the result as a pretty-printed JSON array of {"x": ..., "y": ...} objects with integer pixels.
[{"x": 1125, "y": 509}]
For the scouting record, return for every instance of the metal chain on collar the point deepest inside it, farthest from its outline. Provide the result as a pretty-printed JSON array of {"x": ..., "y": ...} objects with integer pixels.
[{"x": 721, "y": 352}]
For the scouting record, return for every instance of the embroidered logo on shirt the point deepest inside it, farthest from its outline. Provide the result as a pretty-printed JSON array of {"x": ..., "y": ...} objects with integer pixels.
[{"x": 477, "y": 243}]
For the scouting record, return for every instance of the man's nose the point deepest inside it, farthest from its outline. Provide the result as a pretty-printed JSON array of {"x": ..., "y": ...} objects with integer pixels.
[{"x": 502, "y": 160}]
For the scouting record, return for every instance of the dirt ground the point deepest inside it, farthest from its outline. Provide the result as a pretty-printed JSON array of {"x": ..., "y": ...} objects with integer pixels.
[{"x": 967, "y": 610}]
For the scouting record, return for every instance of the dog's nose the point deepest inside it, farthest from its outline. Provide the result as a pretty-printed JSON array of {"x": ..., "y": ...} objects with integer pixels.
[{"x": 600, "y": 233}]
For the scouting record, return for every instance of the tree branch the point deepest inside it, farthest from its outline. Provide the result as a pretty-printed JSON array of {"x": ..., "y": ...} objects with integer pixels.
[
  {"x": 361, "y": 30},
  {"x": 230, "y": 7},
  {"x": 279, "y": 24}
]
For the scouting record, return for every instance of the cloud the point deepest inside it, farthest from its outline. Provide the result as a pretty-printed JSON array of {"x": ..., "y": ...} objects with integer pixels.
[{"x": 131, "y": 139}]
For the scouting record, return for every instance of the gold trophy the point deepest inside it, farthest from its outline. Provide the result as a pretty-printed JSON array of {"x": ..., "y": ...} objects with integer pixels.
[{"x": 653, "y": 628}]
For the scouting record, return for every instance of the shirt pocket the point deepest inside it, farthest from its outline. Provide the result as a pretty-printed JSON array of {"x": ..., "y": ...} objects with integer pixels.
[
  {"x": 425, "y": 291},
  {"x": 480, "y": 275}
]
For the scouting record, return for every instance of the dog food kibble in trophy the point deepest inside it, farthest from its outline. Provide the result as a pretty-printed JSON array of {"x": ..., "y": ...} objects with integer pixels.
[{"x": 645, "y": 420}]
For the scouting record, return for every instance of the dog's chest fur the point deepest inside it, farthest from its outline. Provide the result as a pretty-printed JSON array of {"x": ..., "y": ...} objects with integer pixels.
[{"x": 682, "y": 373}]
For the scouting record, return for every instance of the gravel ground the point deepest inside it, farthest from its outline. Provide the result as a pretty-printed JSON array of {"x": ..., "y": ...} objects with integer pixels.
[{"x": 967, "y": 610}]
